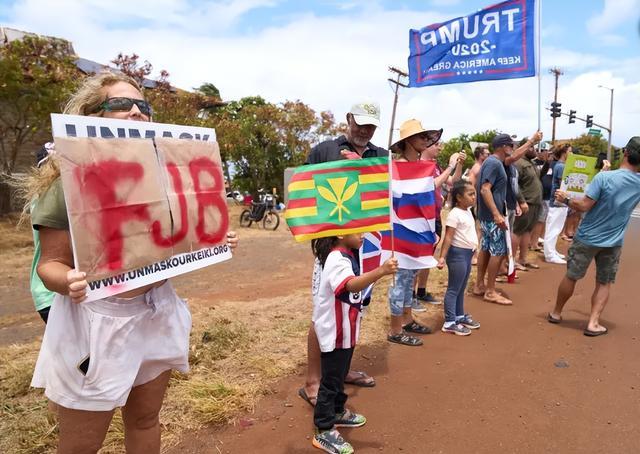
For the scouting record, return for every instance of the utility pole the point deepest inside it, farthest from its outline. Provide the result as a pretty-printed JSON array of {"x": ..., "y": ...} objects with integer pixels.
[
  {"x": 399, "y": 74},
  {"x": 557, "y": 73},
  {"x": 610, "y": 121}
]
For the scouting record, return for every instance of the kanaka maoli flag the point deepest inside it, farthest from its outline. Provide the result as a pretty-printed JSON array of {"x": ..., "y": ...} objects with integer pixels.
[
  {"x": 497, "y": 42},
  {"x": 413, "y": 216},
  {"x": 338, "y": 198}
]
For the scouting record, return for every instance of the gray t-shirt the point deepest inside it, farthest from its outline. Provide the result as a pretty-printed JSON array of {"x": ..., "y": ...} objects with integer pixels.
[{"x": 492, "y": 171}]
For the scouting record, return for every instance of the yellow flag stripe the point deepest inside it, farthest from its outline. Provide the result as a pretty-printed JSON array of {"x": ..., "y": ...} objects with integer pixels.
[
  {"x": 301, "y": 212},
  {"x": 336, "y": 232},
  {"x": 373, "y": 178},
  {"x": 373, "y": 204},
  {"x": 302, "y": 185}
]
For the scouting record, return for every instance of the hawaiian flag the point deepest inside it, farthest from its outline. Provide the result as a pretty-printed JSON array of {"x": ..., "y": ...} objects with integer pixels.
[
  {"x": 339, "y": 198},
  {"x": 413, "y": 216},
  {"x": 370, "y": 252}
]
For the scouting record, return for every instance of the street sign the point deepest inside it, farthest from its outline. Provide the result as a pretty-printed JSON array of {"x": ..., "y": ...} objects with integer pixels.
[{"x": 595, "y": 132}]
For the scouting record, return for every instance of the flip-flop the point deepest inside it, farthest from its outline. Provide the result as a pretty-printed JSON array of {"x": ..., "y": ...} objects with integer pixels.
[
  {"x": 363, "y": 380},
  {"x": 521, "y": 267},
  {"x": 501, "y": 300},
  {"x": 533, "y": 266},
  {"x": 303, "y": 395},
  {"x": 477, "y": 293},
  {"x": 589, "y": 333},
  {"x": 552, "y": 319}
]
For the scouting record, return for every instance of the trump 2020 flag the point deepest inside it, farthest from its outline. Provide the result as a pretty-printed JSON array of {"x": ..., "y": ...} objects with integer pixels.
[
  {"x": 496, "y": 42},
  {"x": 339, "y": 198},
  {"x": 413, "y": 216}
]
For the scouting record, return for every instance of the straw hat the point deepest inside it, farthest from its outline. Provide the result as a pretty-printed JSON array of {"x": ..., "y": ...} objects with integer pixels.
[{"x": 413, "y": 127}]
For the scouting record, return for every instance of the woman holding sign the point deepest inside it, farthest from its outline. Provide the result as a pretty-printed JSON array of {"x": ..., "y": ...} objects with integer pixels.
[{"x": 115, "y": 352}]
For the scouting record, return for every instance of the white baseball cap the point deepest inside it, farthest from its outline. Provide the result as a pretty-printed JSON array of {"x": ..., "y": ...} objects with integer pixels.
[{"x": 366, "y": 113}]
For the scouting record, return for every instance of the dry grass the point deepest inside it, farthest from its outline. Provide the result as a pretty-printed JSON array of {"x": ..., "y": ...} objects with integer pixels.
[{"x": 239, "y": 350}]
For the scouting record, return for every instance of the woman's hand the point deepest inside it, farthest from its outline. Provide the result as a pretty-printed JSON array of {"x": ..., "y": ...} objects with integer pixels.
[
  {"x": 77, "y": 286},
  {"x": 440, "y": 264},
  {"x": 232, "y": 240}
]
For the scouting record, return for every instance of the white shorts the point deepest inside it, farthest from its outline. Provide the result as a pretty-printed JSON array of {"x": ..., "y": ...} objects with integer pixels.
[{"x": 92, "y": 354}]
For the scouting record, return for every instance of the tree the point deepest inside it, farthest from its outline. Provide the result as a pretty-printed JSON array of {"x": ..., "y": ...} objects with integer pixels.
[
  {"x": 208, "y": 89},
  {"x": 461, "y": 143},
  {"x": 262, "y": 139},
  {"x": 589, "y": 145},
  {"x": 37, "y": 76}
]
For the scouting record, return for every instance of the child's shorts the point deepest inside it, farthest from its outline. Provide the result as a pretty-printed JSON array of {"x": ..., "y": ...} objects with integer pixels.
[
  {"x": 401, "y": 293},
  {"x": 93, "y": 353}
]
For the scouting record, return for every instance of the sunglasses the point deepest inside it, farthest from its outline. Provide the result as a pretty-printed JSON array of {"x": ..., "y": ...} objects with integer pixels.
[
  {"x": 433, "y": 136},
  {"x": 125, "y": 105}
]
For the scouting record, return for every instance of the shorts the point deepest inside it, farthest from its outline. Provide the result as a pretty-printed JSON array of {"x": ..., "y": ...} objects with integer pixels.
[
  {"x": 544, "y": 211},
  {"x": 526, "y": 222},
  {"x": 401, "y": 293},
  {"x": 93, "y": 353},
  {"x": 494, "y": 239},
  {"x": 579, "y": 258}
]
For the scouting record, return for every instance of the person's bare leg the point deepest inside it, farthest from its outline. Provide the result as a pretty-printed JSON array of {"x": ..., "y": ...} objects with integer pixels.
[
  {"x": 492, "y": 273},
  {"x": 525, "y": 239},
  {"x": 407, "y": 317},
  {"x": 141, "y": 416},
  {"x": 599, "y": 300},
  {"x": 314, "y": 373},
  {"x": 80, "y": 431},
  {"x": 422, "y": 276},
  {"x": 515, "y": 242},
  {"x": 565, "y": 291},
  {"x": 479, "y": 286},
  {"x": 535, "y": 234},
  {"x": 396, "y": 324}
]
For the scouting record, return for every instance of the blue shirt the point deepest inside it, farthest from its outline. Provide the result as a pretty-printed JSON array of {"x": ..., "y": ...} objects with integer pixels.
[
  {"x": 616, "y": 194},
  {"x": 492, "y": 171},
  {"x": 556, "y": 181}
]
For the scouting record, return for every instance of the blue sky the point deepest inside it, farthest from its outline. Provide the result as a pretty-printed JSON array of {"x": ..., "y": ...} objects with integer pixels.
[{"x": 332, "y": 53}]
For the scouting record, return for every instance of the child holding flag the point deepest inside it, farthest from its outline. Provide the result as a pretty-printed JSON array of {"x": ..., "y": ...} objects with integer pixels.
[
  {"x": 460, "y": 242},
  {"x": 337, "y": 306}
]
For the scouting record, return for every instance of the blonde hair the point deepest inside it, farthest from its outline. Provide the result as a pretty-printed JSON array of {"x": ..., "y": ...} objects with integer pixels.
[{"x": 85, "y": 101}]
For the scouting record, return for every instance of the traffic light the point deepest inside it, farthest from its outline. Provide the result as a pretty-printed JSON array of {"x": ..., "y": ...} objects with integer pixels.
[
  {"x": 555, "y": 109},
  {"x": 572, "y": 116},
  {"x": 589, "y": 121}
]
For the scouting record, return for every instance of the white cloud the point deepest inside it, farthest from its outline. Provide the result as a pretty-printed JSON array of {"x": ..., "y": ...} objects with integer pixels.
[
  {"x": 614, "y": 13},
  {"x": 330, "y": 62}
]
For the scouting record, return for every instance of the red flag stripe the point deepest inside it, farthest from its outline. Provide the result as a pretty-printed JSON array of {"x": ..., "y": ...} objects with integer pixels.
[
  {"x": 301, "y": 203},
  {"x": 373, "y": 195},
  {"x": 413, "y": 212},
  {"x": 313, "y": 228},
  {"x": 302, "y": 176},
  {"x": 407, "y": 247},
  {"x": 410, "y": 170}
]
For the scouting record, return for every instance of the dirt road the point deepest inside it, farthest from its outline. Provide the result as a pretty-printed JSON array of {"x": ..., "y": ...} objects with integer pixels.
[{"x": 518, "y": 385}]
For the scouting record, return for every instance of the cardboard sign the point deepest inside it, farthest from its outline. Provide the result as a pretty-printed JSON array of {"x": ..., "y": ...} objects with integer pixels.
[
  {"x": 140, "y": 209},
  {"x": 578, "y": 172}
]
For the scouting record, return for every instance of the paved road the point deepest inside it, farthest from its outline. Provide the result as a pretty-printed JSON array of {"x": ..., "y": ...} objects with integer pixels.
[{"x": 518, "y": 385}]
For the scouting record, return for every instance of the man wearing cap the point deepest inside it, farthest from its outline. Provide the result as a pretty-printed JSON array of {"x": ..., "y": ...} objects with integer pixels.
[
  {"x": 608, "y": 203},
  {"x": 362, "y": 121},
  {"x": 492, "y": 187}
]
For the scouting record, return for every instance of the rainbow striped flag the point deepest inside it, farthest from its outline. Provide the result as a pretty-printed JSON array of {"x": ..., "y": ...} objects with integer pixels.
[{"x": 338, "y": 198}]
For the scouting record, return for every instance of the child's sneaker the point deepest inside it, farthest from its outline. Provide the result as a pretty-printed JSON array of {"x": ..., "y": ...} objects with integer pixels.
[
  {"x": 456, "y": 329},
  {"x": 331, "y": 441},
  {"x": 350, "y": 419},
  {"x": 429, "y": 298},
  {"x": 469, "y": 322}
]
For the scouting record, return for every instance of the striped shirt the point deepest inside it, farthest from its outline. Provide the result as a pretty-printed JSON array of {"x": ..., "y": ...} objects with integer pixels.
[{"x": 336, "y": 312}]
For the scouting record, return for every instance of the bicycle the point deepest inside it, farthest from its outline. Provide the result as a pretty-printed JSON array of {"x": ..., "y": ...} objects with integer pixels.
[{"x": 261, "y": 211}]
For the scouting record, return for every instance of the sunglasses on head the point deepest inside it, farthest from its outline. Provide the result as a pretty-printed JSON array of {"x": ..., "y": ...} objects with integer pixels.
[{"x": 125, "y": 105}]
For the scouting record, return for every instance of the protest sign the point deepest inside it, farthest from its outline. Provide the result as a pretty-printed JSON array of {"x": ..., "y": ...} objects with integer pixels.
[
  {"x": 140, "y": 209},
  {"x": 578, "y": 172},
  {"x": 496, "y": 42}
]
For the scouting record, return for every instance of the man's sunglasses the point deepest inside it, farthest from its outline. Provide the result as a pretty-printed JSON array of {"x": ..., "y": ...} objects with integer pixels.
[{"x": 125, "y": 105}]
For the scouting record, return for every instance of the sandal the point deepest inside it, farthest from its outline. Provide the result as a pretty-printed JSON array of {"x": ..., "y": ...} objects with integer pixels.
[
  {"x": 364, "y": 380},
  {"x": 311, "y": 400},
  {"x": 417, "y": 328},
  {"x": 498, "y": 299},
  {"x": 533, "y": 266},
  {"x": 404, "y": 339},
  {"x": 521, "y": 267},
  {"x": 552, "y": 319}
]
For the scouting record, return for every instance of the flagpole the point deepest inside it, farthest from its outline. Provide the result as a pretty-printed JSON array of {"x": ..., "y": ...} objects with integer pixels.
[
  {"x": 393, "y": 249},
  {"x": 538, "y": 63}
]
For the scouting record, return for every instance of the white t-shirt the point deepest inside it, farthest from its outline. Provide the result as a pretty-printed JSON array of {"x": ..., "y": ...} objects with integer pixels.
[
  {"x": 465, "y": 235},
  {"x": 336, "y": 312}
]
